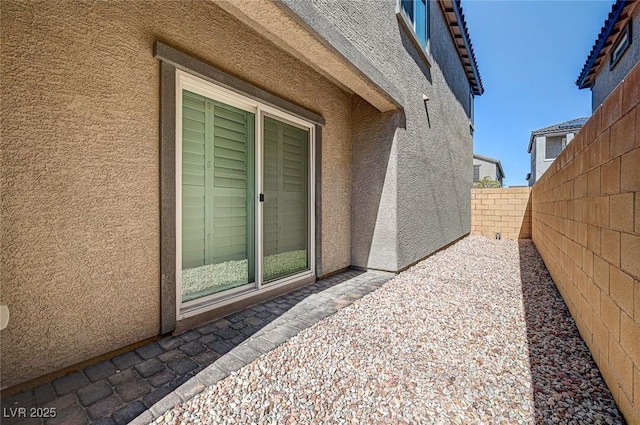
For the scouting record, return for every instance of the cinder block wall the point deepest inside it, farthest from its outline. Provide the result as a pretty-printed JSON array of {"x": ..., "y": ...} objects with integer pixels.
[
  {"x": 505, "y": 210},
  {"x": 586, "y": 225}
]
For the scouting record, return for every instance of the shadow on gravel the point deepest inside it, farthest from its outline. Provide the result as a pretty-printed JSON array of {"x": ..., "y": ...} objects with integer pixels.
[{"x": 566, "y": 383}]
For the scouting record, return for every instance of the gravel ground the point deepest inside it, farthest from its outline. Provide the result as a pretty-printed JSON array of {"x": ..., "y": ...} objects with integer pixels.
[{"x": 475, "y": 334}]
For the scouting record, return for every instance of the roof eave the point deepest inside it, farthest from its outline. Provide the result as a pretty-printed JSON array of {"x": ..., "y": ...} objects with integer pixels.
[
  {"x": 504, "y": 176},
  {"x": 473, "y": 75},
  {"x": 486, "y": 158},
  {"x": 553, "y": 131},
  {"x": 585, "y": 78},
  {"x": 491, "y": 160}
]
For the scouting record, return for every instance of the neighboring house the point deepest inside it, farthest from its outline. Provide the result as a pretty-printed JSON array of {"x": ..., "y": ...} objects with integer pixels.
[
  {"x": 546, "y": 144},
  {"x": 615, "y": 52},
  {"x": 483, "y": 166},
  {"x": 166, "y": 163}
]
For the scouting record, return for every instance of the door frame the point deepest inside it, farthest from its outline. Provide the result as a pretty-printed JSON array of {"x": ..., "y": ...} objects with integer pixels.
[{"x": 188, "y": 81}]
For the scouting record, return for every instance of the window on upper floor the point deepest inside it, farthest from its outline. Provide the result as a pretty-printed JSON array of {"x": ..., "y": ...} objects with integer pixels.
[
  {"x": 553, "y": 146},
  {"x": 476, "y": 173},
  {"x": 621, "y": 45},
  {"x": 417, "y": 12}
]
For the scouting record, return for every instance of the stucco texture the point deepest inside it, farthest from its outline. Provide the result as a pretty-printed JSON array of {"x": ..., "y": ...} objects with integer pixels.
[
  {"x": 421, "y": 156},
  {"x": 80, "y": 161}
]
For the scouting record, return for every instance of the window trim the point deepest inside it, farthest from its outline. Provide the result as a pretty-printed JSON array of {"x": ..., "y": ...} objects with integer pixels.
[
  {"x": 625, "y": 38},
  {"x": 172, "y": 60},
  {"x": 409, "y": 27}
]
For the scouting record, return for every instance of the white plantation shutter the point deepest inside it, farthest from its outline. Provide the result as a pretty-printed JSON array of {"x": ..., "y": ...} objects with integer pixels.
[
  {"x": 271, "y": 186},
  {"x": 193, "y": 180},
  {"x": 232, "y": 160},
  {"x": 217, "y": 182},
  {"x": 294, "y": 188},
  {"x": 285, "y": 187}
]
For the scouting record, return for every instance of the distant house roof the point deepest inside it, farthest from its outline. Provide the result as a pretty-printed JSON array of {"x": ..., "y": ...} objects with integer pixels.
[
  {"x": 495, "y": 161},
  {"x": 562, "y": 127},
  {"x": 617, "y": 19},
  {"x": 458, "y": 27}
]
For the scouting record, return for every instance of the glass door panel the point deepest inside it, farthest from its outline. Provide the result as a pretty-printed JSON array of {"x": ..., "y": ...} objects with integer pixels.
[
  {"x": 218, "y": 208},
  {"x": 286, "y": 199}
]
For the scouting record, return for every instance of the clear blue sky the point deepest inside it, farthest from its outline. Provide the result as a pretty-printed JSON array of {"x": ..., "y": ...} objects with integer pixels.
[{"x": 529, "y": 54}]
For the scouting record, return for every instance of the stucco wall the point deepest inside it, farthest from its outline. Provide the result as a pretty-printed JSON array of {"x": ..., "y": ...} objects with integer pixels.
[
  {"x": 80, "y": 202},
  {"x": 607, "y": 79},
  {"x": 586, "y": 225},
  {"x": 539, "y": 163},
  {"x": 487, "y": 169},
  {"x": 435, "y": 162},
  {"x": 374, "y": 221},
  {"x": 426, "y": 186}
]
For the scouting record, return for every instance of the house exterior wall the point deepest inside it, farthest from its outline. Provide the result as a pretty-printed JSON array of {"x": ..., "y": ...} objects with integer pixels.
[
  {"x": 539, "y": 163},
  {"x": 607, "y": 79},
  {"x": 80, "y": 180},
  {"x": 374, "y": 236},
  {"x": 533, "y": 158},
  {"x": 423, "y": 162},
  {"x": 435, "y": 158},
  {"x": 487, "y": 169},
  {"x": 586, "y": 225}
]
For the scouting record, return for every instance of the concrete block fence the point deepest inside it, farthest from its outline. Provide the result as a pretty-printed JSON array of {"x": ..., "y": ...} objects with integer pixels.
[
  {"x": 502, "y": 210},
  {"x": 586, "y": 225}
]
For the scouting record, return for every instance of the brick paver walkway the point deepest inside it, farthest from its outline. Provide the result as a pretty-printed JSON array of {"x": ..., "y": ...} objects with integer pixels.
[{"x": 145, "y": 382}]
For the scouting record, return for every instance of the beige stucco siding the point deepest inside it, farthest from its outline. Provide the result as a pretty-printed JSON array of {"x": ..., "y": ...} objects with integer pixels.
[
  {"x": 336, "y": 189},
  {"x": 80, "y": 160}
]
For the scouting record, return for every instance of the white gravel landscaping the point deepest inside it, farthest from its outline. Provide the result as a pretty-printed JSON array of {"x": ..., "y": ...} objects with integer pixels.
[{"x": 474, "y": 334}]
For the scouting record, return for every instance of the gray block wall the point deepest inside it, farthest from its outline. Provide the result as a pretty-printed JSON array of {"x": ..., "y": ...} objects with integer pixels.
[{"x": 412, "y": 169}]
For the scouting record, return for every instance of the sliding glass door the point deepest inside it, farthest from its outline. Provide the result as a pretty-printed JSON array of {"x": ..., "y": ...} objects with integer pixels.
[
  {"x": 286, "y": 199},
  {"x": 244, "y": 196}
]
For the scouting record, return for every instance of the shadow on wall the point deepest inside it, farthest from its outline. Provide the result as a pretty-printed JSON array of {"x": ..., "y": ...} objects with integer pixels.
[
  {"x": 460, "y": 189},
  {"x": 525, "y": 231},
  {"x": 411, "y": 48},
  {"x": 438, "y": 218},
  {"x": 566, "y": 381},
  {"x": 373, "y": 135}
]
